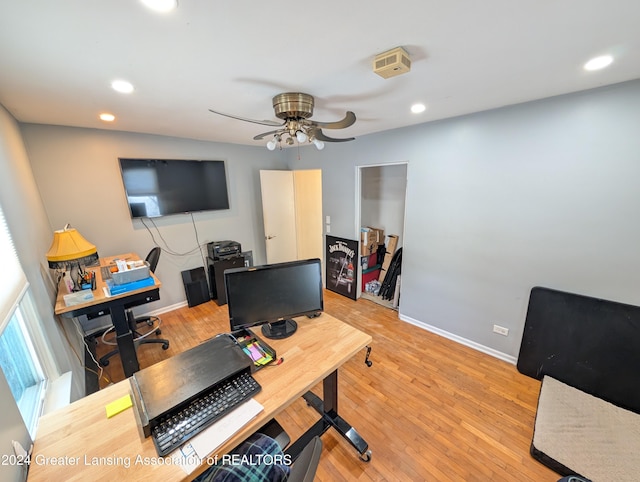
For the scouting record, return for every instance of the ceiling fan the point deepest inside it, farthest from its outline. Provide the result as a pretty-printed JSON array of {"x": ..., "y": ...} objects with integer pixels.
[{"x": 295, "y": 109}]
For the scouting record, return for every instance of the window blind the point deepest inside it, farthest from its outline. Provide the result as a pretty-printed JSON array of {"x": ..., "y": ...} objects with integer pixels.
[{"x": 13, "y": 282}]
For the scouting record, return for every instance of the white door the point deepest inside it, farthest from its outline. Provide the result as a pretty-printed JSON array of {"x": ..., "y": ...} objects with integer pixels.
[
  {"x": 278, "y": 210},
  {"x": 307, "y": 185},
  {"x": 292, "y": 212}
]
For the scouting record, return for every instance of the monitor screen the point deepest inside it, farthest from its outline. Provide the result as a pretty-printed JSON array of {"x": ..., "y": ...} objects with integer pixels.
[
  {"x": 270, "y": 295},
  {"x": 159, "y": 187}
]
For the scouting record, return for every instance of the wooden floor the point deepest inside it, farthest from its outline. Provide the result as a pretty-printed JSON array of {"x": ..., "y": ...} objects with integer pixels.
[{"x": 429, "y": 408}]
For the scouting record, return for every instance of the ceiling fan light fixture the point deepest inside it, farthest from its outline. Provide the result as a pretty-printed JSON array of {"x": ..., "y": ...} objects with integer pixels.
[
  {"x": 295, "y": 109},
  {"x": 319, "y": 144},
  {"x": 301, "y": 136},
  {"x": 273, "y": 143}
]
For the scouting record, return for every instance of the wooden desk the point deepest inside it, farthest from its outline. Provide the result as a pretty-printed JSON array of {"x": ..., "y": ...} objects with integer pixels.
[
  {"x": 80, "y": 433},
  {"x": 114, "y": 305}
]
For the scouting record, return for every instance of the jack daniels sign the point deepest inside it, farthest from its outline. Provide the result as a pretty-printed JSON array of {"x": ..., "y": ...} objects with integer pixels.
[{"x": 342, "y": 266}]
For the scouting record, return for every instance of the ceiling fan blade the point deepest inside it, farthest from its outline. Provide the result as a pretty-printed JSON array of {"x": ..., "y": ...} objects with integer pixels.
[
  {"x": 349, "y": 119},
  {"x": 265, "y": 134},
  {"x": 263, "y": 122},
  {"x": 317, "y": 133}
]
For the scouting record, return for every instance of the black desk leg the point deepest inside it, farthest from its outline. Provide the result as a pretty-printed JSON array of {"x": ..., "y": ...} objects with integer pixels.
[
  {"x": 124, "y": 337},
  {"x": 330, "y": 418}
]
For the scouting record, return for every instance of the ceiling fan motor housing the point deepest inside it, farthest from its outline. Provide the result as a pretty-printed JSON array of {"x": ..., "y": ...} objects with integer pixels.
[{"x": 293, "y": 104}]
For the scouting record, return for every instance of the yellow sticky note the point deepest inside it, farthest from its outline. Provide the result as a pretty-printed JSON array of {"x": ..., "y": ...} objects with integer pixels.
[{"x": 118, "y": 406}]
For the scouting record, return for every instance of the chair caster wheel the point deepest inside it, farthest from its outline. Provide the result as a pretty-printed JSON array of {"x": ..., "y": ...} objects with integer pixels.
[
  {"x": 104, "y": 363},
  {"x": 366, "y": 457},
  {"x": 158, "y": 332},
  {"x": 165, "y": 346}
]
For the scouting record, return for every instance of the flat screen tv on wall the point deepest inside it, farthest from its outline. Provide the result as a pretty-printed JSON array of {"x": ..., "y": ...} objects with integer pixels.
[{"x": 160, "y": 187}]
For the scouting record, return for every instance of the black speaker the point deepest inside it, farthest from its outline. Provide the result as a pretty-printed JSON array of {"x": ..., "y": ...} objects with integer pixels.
[
  {"x": 216, "y": 276},
  {"x": 195, "y": 286}
]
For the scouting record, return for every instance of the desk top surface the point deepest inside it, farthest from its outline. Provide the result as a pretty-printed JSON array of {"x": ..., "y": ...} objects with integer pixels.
[
  {"x": 79, "y": 442},
  {"x": 98, "y": 294}
]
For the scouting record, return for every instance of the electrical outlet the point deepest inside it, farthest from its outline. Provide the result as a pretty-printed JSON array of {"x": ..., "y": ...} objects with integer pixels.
[
  {"x": 500, "y": 330},
  {"x": 328, "y": 228}
]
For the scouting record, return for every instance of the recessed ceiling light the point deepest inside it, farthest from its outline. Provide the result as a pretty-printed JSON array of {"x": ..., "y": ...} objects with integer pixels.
[
  {"x": 107, "y": 117},
  {"x": 161, "y": 5},
  {"x": 598, "y": 63},
  {"x": 418, "y": 108},
  {"x": 122, "y": 86}
]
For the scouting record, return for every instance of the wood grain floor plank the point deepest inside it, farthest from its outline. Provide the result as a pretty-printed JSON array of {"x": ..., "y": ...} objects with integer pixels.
[{"x": 430, "y": 409}]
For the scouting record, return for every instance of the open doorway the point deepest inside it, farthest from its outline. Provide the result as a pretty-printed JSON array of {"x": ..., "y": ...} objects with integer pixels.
[{"x": 380, "y": 203}]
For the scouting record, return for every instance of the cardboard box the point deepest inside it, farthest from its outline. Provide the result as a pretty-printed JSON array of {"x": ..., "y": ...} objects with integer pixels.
[
  {"x": 368, "y": 242},
  {"x": 370, "y": 239},
  {"x": 392, "y": 243},
  {"x": 378, "y": 234}
]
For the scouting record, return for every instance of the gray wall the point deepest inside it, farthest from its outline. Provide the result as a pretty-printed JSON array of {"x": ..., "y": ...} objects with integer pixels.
[
  {"x": 543, "y": 193},
  {"x": 382, "y": 200},
  {"x": 31, "y": 233},
  {"x": 78, "y": 175},
  {"x": 74, "y": 174}
]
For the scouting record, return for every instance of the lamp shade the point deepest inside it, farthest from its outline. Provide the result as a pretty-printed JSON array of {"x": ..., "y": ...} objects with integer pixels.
[{"x": 69, "y": 245}]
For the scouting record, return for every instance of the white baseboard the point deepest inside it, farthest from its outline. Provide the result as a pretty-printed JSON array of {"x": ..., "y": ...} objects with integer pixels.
[
  {"x": 463, "y": 341},
  {"x": 165, "y": 309}
]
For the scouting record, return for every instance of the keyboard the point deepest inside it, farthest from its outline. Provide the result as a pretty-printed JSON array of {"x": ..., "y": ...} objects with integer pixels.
[{"x": 174, "y": 430}]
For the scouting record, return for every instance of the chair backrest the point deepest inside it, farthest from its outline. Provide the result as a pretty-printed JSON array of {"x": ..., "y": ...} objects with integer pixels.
[
  {"x": 153, "y": 257},
  {"x": 305, "y": 466}
]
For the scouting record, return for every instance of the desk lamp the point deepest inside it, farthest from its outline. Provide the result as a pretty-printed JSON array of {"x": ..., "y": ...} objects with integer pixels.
[{"x": 70, "y": 251}]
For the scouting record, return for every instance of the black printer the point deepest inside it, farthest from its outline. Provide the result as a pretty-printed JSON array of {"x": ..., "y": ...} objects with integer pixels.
[{"x": 223, "y": 249}]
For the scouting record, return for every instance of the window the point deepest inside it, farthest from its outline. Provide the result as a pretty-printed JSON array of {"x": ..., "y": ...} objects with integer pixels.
[
  {"x": 18, "y": 360},
  {"x": 22, "y": 369}
]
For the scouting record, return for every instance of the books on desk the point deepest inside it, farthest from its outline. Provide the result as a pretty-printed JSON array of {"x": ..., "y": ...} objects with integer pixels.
[{"x": 116, "y": 289}]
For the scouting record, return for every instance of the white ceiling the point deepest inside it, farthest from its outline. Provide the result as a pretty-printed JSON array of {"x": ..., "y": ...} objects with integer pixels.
[{"x": 58, "y": 58}]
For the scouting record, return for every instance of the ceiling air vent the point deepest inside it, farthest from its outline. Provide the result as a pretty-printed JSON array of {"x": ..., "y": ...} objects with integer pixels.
[{"x": 392, "y": 63}]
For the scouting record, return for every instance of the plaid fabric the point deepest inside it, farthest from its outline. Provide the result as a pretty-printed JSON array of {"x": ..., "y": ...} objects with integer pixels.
[{"x": 257, "y": 459}]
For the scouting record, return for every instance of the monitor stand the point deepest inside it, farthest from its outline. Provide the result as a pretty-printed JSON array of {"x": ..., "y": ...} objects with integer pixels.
[{"x": 279, "y": 329}]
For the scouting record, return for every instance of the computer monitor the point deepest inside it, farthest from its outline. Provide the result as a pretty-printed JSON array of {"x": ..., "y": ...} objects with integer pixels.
[{"x": 271, "y": 295}]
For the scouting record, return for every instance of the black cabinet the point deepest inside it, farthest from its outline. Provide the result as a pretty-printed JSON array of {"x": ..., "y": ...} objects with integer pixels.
[{"x": 216, "y": 276}]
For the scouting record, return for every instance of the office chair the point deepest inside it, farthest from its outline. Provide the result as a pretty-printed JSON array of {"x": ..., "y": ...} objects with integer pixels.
[
  {"x": 303, "y": 468},
  {"x": 141, "y": 338}
]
